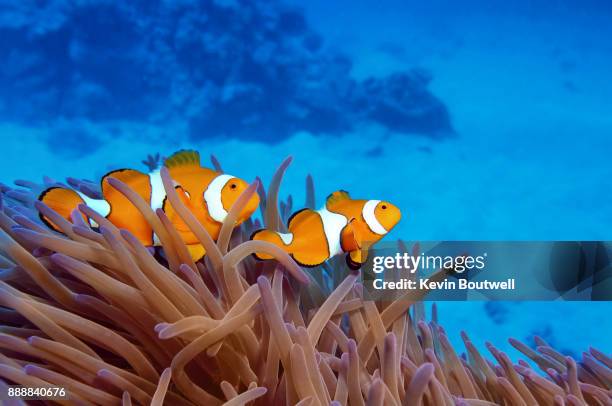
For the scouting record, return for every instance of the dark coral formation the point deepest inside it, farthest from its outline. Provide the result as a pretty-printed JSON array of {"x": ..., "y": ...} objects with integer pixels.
[
  {"x": 252, "y": 70},
  {"x": 97, "y": 314}
]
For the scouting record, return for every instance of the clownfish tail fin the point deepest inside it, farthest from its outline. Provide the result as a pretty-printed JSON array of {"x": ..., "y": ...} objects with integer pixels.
[
  {"x": 61, "y": 200},
  {"x": 282, "y": 240}
]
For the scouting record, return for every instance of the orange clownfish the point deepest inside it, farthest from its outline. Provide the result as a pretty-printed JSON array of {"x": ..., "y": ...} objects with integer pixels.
[
  {"x": 207, "y": 193},
  {"x": 343, "y": 225}
]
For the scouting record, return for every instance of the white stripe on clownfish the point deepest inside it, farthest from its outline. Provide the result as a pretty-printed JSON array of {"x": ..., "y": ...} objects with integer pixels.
[
  {"x": 333, "y": 223},
  {"x": 100, "y": 206},
  {"x": 158, "y": 193},
  {"x": 212, "y": 197},
  {"x": 286, "y": 237},
  {"x": 370, "y": 217}
]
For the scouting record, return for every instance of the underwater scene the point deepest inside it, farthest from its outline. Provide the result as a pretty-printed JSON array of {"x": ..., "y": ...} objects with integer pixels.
[{"x": 461, "y": 121}]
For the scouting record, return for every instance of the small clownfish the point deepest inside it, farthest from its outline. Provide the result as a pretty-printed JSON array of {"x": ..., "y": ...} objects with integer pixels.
[
  {"x": 343, "y": 225},
  {"x": 207, "y": 193}
]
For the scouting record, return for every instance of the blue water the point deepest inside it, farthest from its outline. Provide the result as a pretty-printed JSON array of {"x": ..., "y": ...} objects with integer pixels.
[{"x": 480, "y": 120}]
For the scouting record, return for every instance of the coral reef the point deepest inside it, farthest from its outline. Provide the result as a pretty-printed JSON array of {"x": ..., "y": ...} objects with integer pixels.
[
  {"x": 97, "y": 313},
  {"x": 244, "y": 69}
]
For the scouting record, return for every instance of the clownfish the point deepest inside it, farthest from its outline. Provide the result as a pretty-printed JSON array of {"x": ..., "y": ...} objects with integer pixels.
[
  {"x": 207, "y": 193},
  {"x": 343, "y": 225}
]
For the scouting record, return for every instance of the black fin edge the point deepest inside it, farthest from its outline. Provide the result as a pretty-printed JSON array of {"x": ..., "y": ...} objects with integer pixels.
[
  {"x": 304, "y": 265},
  {"x": 290, "y": 219},
  {"x": 41, "y": 216},
  {"x": 352, "y": 264}
]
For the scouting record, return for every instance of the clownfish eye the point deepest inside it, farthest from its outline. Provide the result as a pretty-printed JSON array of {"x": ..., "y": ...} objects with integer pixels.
[
  {"x": 233, "y": 186},
  {"x": 384, "y": 206}
]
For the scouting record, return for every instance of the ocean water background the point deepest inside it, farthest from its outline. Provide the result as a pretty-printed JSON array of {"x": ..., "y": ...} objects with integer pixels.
[{"x": 480, "y": 120}]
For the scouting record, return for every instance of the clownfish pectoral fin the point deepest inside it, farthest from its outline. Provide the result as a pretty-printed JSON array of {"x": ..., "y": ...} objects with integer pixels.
[
  {"x": 197, "y": 251},
  {"x": 183, "y": 158},
  {"x": 183, "y": 195},
  {"x": 61, "y": 200},
  {"x": 349, "y": 237},
  {"x": 355, "y": 259},
  {"x": 336, "y": 197}
]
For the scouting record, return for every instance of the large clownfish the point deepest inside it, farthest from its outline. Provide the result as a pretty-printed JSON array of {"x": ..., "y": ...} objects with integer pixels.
[
  {"x": 343, "y": 225},
  {"x": 207, "y": 193}
]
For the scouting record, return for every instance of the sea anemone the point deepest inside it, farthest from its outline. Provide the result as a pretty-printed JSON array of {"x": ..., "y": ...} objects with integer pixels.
[{"x": 114, "y": 323}]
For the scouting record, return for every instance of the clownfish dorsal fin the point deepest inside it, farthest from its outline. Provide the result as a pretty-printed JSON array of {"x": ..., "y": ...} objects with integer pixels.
[
  {"x": 336, "y": 197},
  {"x": 183, "y": 157},
  {"x": 297, "y": 218},
  {"x": 125, "y": 175},
  {"x": 135, "y": 179}
]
